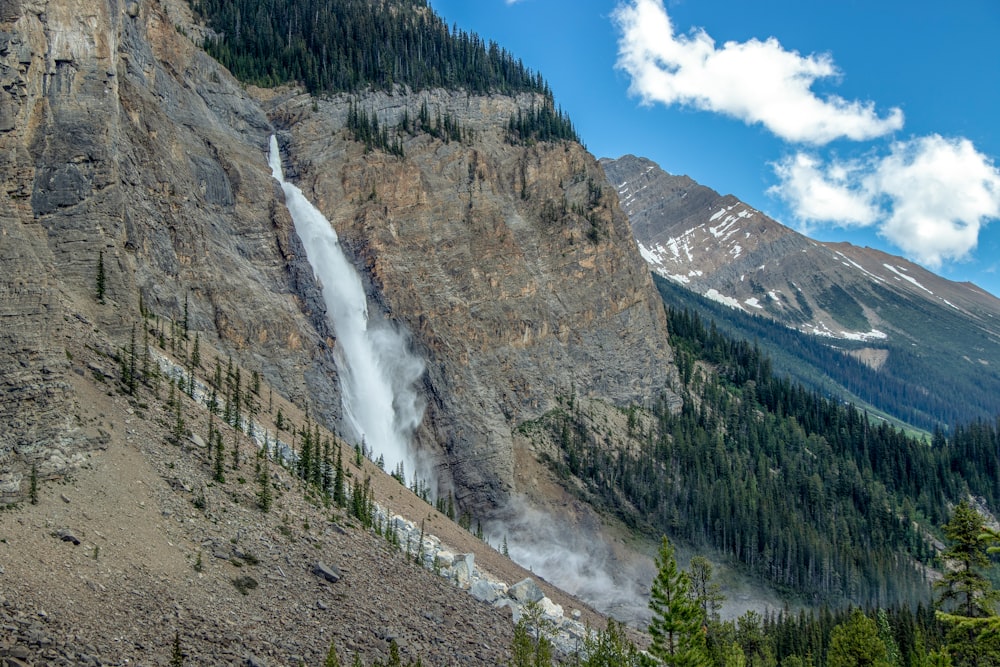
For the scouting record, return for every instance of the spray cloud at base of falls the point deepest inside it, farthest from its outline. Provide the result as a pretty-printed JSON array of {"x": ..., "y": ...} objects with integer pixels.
[
  {"x": 575, "y": 558},
  {"x": 377, "y": 372}
]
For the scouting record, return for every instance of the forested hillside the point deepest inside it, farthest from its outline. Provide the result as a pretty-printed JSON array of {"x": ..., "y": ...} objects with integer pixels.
[
  {"x": 347, "y": 45},
  {"x": 808, "y": 493},
  {"x": 827, "y": 366}
]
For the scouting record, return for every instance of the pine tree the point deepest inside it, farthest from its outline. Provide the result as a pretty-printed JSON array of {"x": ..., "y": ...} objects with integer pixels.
[
  {"x": 33, "y": 484},
  {"x": 964, "y": 586},
  {"x": 676, "y": 627},
  {"x": 704, "y": 591},
  {"x": 219, "y": 470},
  {"x": 610, "y": 648},
  {"x": 101, "y": 280},
  {"x": 528, "y": 650},
  {"x": 855, "y": 643},
  {"x": 973, "y": 636},
  {"x": 331, "y": 657},
  {"x": 264, "y": 497},
  {"x": 177, "y": 655},
  {"x": 196, "y": 352},
  {"x": 339, "y": 492}
]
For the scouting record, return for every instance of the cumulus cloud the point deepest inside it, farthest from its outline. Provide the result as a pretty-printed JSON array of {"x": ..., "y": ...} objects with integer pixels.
[
  {"x": 754, "y": 81},
  {"x": 823, "y": 192},
  {"x": 929, "y": 196}
]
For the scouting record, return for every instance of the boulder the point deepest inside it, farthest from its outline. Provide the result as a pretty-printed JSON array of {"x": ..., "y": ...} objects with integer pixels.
[
  {"x": 465, "y": 568},
  {"x": 66, "y": 535},
  {"x": 484, "y": 591},
  {"x": 526, "y": 591},
  {"x": 551, "y": 610},
  {"x": 327, "y": 572}
]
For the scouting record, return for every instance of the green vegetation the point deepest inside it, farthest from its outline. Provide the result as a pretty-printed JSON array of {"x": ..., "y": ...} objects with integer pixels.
[
  {"x": 926, "y": 391},
  {"x": 542, "y": 123},
  {"x": 531, "y": 646},
  {"x": 804, "y": 492},
  {"x": 244, "y": 584},
  {"x": 844, "y": 308},
  {"x": 100, "y": 282},
  {"x": 677, "y": 622},
  {"x": 33, "y": 484},
  {"x": 684, "y": 633},
  {"x": 351, "y": 45},
  {"x": 176, "y": 653}
]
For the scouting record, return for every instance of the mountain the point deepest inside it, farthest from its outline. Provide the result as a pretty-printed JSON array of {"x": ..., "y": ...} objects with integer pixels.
[
  {"x": 507, "y": 261},
  {"x": 139, "y": 218},
  {"x": 928, "y": 348},
  {"x": 171, "y": 382}
]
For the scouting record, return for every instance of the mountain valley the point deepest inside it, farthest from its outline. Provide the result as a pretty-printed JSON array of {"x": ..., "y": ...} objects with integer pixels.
[{"x": 177, "y": 412}]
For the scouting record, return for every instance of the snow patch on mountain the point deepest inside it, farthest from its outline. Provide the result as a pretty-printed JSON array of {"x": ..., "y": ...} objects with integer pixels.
[
  {"x": 900, "y": 272},
  {"x": 820, "y": 328},
  {"x": 714, "y": 295}
]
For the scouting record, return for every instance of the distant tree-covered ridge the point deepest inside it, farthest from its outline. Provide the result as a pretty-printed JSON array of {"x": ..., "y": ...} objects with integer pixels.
[
  {"x": 808, "y": 493},
  {"x": 350, "y": 45}
]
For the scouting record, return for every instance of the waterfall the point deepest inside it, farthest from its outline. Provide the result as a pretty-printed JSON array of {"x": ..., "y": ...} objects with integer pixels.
[{"x": 377, "y": 371}]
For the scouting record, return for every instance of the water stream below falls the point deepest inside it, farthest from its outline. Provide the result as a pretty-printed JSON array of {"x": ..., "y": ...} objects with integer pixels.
[{"x": 377, "y": 371}]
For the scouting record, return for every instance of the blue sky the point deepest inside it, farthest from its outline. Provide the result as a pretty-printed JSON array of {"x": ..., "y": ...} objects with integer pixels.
[{"x": 869, "y": 122}]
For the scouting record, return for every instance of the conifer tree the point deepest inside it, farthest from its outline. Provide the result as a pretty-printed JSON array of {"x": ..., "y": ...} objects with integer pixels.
[
  {"x": 264, "y": 497},
  {"x": 339, "y": 493},
  {"x": 219, "y": 471},
  {"x": 33, "y": 484},
  {"x": 185, "y": 322},
  {"x": 855, "y": 643},
  {"x": 331, "y": 657},
  {"x": 964, "y": 587},
  {"x": 528, "y": 650},
  {"x": 176, "y": 654},
  {"x": 676, "y": 627},
  {"x": 704, "y": 591},
  {"x": 610, "y": 648},
  {"x": 973, "y": 637},
  {"x": 101, "y": 280},
  {"x": 196, "y": 352}
]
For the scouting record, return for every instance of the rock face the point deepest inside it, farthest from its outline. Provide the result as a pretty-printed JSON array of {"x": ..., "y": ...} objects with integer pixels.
[
  {"x": 722, "y": 248},
  {"x": 123, "y": 141},
  {"x": 513, "y": 267}
]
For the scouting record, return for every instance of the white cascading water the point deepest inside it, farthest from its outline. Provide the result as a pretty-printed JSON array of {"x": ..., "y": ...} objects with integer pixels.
[{"x": 378, "y": 373}]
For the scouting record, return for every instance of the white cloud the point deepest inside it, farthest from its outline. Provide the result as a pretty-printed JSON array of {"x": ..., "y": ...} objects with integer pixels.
[
  {"x": 929, "y": 196},
  {"x": 823, "y": 192},
  {"x": 755, "y": 81}
]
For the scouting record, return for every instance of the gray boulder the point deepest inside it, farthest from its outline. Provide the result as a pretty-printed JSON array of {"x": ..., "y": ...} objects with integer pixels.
[
  {"x": 328, "y": 572},
  {"x": 526, "y": 591}
]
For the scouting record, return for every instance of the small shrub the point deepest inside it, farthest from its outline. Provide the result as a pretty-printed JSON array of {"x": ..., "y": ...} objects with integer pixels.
[{"x": 245, "y": 584}]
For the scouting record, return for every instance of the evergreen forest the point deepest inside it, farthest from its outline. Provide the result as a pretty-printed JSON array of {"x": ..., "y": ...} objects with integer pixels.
[
  {"x": 923, "y": 391},
  {"x": 808, "y": 493},
  {"x": 334, "y": 46}
]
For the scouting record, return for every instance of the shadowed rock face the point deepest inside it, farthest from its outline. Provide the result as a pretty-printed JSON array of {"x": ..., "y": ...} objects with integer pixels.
[{"x": 512, "y": 267}]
